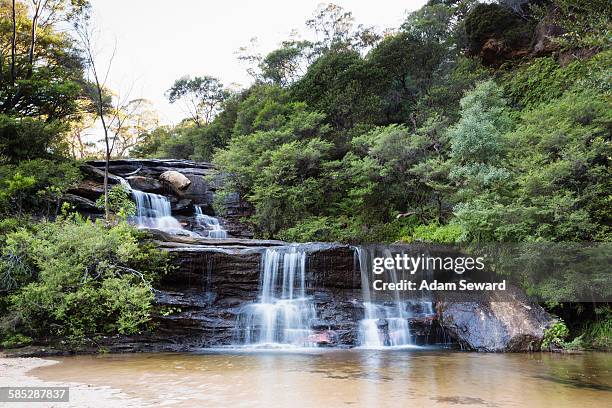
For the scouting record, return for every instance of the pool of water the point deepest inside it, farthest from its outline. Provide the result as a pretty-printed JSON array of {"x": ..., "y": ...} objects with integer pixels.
[{"x": 352, "y": 378}]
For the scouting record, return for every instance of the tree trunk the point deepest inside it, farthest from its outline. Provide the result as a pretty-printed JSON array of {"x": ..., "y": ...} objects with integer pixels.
[
  {"x": 33, "y": 40},
  {"x": 13, "y": 44},
  {"x": 106, "y": 155}
]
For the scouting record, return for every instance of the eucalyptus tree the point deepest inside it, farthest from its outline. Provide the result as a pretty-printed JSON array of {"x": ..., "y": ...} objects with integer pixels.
[{"x": 201, "y": 98}]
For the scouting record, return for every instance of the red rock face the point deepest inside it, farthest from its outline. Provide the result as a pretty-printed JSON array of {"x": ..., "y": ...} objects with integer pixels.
[{"x": 494, "y": 52}]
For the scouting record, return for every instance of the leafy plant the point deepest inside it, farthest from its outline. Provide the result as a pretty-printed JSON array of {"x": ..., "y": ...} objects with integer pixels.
[
  {"x": 555, "y": 335},
  {"x": 87, "y": 279},
  {"x": 119, "y": 202}
]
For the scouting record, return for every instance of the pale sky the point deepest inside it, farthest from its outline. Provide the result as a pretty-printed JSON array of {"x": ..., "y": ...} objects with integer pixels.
[{"x": 160, "y": 41}]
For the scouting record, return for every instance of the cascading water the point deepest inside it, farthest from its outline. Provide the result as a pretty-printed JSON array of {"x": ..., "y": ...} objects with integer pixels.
[
  {"x": 385, "y": 321},
  {"x": 210, "y": 224},
  {"x": 284, "y": 313},
  {"x": 154, "y": 211}
]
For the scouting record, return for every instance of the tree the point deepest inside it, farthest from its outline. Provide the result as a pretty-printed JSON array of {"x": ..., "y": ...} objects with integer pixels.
[
  {"x": 334, "y": 29},
  {"x": 202, "y": 97},
  {"x": 286, "y": 64},
  {"x": 477, "y": 142},
  {"x": 344, "y": 86},
  {"x": 109, "y": 107},
  {"x": 136, "y": 119},
  {"x": 39, "y": 80},
  {"x": 332, "y": 25}
]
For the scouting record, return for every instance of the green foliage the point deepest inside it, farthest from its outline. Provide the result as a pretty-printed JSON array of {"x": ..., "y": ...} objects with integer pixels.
[
  {"x": 283, "y": 66},
  {"x": 36, "y": 185},
  {"x": 597, "y": 334},
  {"x": 15, "y": 341},
  {"x": 119, "y": 202},
  {"x": 169, "y": 310},
  {"x": 152, "y": 142},
  {"x": 405, "y": 64},
  {"x": 586, "y": 23},
  {"x": 202, "y": 96},
  {"x": 492, "y": 20},
  {"x": 555, "y": 335},
  {"x": 46, "y": 84},
  {"x": 343, "y": 229},
  {"x": 344, "y": 86},
  {"x": 543, "y": 79},
  {"x": 88, "y": 279},
  {"x": 562, "y": 172},
  {"x": 360, "y": 141},
  {"x": 440, "y": 234},
  {"x": 28, "y": 138},
  {"x": 477, "y": 137}
]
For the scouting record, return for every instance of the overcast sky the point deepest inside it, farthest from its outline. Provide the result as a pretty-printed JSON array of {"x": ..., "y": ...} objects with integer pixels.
[{"x": 160, "y": 41}]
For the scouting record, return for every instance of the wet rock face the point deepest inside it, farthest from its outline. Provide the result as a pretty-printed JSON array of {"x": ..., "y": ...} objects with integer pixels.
[
  {"x": 212, "y": 283},
  {"x": 496, "y": 325},
  {"x": 146, "y": 184},
  {"x": 200, "y": 300}
]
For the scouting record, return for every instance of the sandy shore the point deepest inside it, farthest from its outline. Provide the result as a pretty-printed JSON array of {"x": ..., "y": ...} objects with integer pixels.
[{"x": 14, "y": 373}]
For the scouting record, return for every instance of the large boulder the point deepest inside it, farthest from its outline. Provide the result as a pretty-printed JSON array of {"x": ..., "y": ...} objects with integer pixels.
[
  {"x": 502, "y": 323},
  {"x": 89, "y": 189},
  {"x": 82, "y": 204},
  {"x": 97, "y": 174},
  {"x": 175, "y": 179},
  {"x": 147, "y": 184}
]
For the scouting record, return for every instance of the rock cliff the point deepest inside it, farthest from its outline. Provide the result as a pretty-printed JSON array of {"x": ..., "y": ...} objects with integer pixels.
[{"x": 199, "y": 301}]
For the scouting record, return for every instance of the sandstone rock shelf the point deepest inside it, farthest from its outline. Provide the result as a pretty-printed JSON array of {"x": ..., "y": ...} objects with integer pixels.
[{"x": 199, "y": 301}]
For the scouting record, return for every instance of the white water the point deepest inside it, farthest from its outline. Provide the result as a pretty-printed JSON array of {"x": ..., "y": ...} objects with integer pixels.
[
  {"x": 154, "y": 211},
  {"x": 385, "y": 321},
  {"x": 210, "y": 224},
  {"x": 283, "y": 314}
]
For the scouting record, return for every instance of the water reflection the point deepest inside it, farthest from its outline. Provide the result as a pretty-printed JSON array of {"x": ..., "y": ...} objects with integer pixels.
[{"x": 356, "y": 378}]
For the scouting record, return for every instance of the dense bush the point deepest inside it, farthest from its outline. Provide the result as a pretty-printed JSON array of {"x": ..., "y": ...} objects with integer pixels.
[
  {"x": 119, "y": 202},
  {"x": 36, "y": 185},
  {"x": 496, "y": 21},
  {"x": 78, "y": 279},
  {"x": 28, "y": 138}
]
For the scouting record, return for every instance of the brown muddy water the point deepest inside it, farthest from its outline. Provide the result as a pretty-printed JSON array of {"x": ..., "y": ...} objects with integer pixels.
[{"x": 347, "y": 378}]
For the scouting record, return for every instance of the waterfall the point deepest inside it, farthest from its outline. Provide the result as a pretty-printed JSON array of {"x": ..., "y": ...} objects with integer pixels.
[
  {"x": 283, "y": 314},
  {"x": 154, "y": 211},
  {"x": 385, "y": 321},
  {"x": 210, "y": 224}
]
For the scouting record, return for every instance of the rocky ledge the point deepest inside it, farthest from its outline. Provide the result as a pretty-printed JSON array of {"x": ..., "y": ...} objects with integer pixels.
[
  {"x": 186, "y": 183},
  {"x": 214, "y": 279}
]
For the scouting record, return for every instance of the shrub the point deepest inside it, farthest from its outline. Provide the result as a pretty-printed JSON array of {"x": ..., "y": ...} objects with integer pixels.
[
  {"x": 36, "y": 185},
  {"x": 544, "y": 79},
  {"x": 441, "y": 234},
  {"x": 597, "y": 334},
  {"x": 555, "y": 335},
  {"x": 28, "y": 138},
  {"x": 119, "y": 202},
  {"x": 87, "y": 279},
  {"x": 15, "y": 341}
]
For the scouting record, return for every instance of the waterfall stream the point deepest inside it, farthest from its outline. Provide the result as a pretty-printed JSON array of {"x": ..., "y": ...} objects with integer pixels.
[
  {"x": 154, "y": 211},
  {"x": 211, "y": 226},
  {"x": 385, "y": 322},
  {"x": 283, "y": 314}
]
